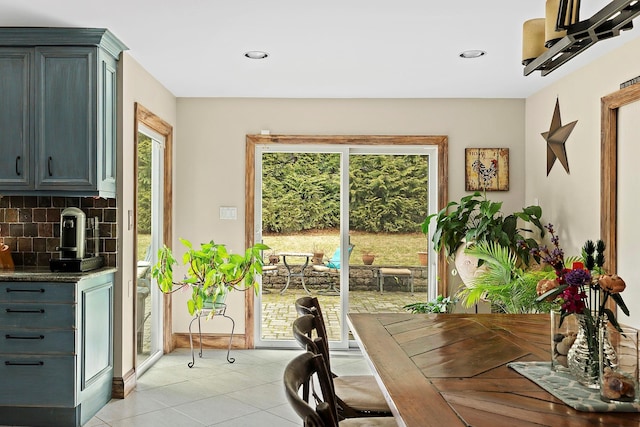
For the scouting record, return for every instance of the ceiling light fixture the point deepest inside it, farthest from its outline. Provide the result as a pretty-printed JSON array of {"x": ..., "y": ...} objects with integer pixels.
[
  {"x": 565, "y": 35},
  {"x": 470, "y": 54},
  {"x": 256, "y": 54}
]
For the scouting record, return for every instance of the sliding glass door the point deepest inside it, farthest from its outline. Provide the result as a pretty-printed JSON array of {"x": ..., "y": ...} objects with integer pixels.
[{"x": 323, "y": 209}]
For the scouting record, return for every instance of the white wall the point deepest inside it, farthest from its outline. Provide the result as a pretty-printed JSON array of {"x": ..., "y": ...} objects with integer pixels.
[
  {"x": 137, "y": 86},
  {"x": 209, "y": 163},
  {"x": 572, "y": 201}
]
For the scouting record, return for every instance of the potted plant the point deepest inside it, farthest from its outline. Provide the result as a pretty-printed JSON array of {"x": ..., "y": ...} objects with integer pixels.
[
  {"x": 440, "y": 304},
  {"x": 507, "y": 287},
  {"x": 212, "y": 272},
  {"x": 318, "y": 255},
  {"x": 273, "y": 257},
  {"x": 474, "y": 219},
  {"x": 423, "y": 258},
  {"x": 368, "y": 257}
]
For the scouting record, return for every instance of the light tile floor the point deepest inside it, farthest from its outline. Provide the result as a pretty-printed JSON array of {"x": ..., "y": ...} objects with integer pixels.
[
  {"x": 214, "y": 392},
  {"x": 248, "y": 392}
]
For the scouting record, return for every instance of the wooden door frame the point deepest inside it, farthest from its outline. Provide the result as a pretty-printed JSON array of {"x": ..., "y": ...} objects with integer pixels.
[
  {"x": 155, "y": 123},
  {"x": 610, "y": 105},
  {"x": 252, "y": 141}
]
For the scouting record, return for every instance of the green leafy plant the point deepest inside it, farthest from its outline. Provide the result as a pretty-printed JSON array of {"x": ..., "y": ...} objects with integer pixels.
[
  {"x": 439, "y": 305},
  {"x": 509, "y": 288},
  {"x": 212, "y": 271},
  {"x": 476, "y": 219}
]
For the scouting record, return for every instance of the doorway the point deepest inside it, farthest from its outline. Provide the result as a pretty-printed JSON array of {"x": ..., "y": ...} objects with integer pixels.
[
  {"x": 152, "y": 219},
  {"x": 347, "y": 155}
]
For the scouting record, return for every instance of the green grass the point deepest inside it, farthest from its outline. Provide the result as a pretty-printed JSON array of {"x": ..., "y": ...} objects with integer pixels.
[
  {"x": 390, "y": 249},
  {"x": 144, "y": 240}
]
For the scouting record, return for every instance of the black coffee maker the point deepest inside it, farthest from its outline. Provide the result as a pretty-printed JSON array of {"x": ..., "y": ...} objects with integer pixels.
[
  {"x": 73, "y": 226},
  {"x": 73, "y": 223}
]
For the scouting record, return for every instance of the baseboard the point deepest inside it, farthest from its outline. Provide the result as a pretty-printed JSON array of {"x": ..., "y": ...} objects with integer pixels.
[{"x": 124, "y": 385}]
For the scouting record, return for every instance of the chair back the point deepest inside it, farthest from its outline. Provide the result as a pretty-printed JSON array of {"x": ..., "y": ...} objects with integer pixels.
[
  {"x": 334, "y": 262},
  {"x": 300, "y": 371},
  {"x": 304, "y": 305},
  {"x": 309, "y": 334},
  {"x": 311, "y": 305}
]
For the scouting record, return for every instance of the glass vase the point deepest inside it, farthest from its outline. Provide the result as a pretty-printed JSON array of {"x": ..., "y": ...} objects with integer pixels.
[
  {"x": 563, "y": 335},
  {"x": 583, "y": 356},
  {"x": 619, "y": 378}
]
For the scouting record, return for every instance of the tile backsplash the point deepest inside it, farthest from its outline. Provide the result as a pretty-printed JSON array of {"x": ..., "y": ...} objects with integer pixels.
[{"x": 30, "y": 226}]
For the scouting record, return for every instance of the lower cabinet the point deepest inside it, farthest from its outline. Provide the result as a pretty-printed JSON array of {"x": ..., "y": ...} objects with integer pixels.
[{"x": 56, "y": 350}]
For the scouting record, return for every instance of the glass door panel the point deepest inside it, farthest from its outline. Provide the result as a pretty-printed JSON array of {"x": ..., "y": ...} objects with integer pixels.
[
  {"x": 149, "y": 228},
  {"x": 388, "y": 201},
  {"x": 300, "y": 222}
]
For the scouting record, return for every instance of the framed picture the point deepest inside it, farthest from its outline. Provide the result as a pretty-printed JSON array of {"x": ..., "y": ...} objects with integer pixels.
[{"x": 486, "y": 169}]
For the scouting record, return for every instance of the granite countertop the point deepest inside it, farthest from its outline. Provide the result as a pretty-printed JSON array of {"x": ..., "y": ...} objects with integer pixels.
[{"x": 44, "y": 274}]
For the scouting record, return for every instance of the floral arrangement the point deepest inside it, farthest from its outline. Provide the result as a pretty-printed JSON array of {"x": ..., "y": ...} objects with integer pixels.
[{"x": 583, "y": 289}]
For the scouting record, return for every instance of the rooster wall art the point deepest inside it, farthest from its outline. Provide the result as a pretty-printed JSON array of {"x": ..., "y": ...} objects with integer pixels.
[{"x": 487, "y": 169}]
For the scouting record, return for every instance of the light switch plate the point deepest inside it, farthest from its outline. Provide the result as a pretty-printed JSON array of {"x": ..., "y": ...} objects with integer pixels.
[{"x": 228, "y": 212}]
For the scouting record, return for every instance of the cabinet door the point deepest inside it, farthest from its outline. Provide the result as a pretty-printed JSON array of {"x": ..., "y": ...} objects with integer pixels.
[
  {"x": 65, "y": 118},
  {"x": 15, "y": 104},
  {"x": 95, "y": 309},
  {"x": 37, "y": 380},
  {"x": 107, "y": 122}
]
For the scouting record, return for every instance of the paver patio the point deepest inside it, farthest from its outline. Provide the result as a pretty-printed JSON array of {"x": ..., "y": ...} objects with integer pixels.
[{"x": 278, "y": 311}]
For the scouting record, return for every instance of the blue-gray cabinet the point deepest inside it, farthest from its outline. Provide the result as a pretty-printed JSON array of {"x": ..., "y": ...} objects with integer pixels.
[
  {"x": 58, "y": 101},
  {"x": 56, "y": 349},
  {"x": 15, "y": 118}
]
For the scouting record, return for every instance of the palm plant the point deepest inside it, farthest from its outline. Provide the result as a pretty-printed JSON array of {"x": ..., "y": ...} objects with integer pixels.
[{"x": 509, "y": 288}]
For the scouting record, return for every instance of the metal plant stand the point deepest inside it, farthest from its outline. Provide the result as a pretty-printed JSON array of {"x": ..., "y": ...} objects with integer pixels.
[{"x": 220, "y": 310}]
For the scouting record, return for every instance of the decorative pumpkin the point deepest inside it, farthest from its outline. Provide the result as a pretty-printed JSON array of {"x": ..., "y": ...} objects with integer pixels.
[
  {"x": 545, "y": 285},
  {"x": 612, "y": 283},
  {"x": 616, "y": 386}
]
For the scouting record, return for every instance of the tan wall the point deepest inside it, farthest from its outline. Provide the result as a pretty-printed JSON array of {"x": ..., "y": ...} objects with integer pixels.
[
  {"x": 137, "y": 86},
  {"x": 210, "y": 151},
  {"x": 572, "y": 201},
  {"x": 628, "y": 206},
  {"x": 209, "y": 163}
]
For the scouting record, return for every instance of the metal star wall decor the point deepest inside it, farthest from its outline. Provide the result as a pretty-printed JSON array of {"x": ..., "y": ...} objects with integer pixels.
[{"x": 556, "y": 139}]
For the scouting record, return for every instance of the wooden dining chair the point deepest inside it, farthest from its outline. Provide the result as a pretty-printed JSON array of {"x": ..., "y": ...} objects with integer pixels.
[
  {"x": 309, "y": 305},
  {"x": 302, "y": 370},
  {"x": 358, "y": 395}
]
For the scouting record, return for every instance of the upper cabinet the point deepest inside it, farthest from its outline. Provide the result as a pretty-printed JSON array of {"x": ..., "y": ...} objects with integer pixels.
[{"x": 58, "y": 101}]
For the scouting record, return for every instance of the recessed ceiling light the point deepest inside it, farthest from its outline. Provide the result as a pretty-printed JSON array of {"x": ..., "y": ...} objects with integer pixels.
[
  {"x": 256, "y": 54},
  {"x": 472, "y": 54}
]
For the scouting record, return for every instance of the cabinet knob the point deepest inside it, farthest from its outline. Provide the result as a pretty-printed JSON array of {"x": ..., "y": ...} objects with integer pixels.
[{"x": 18, "y": 165}]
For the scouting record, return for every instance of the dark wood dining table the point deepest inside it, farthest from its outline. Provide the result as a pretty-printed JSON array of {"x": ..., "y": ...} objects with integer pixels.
[{"x": 451, "y": 370}]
